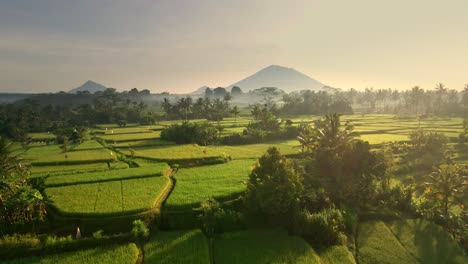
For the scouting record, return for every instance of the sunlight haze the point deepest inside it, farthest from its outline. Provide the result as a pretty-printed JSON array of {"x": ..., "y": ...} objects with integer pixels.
[{"x": 179, "y": 46}]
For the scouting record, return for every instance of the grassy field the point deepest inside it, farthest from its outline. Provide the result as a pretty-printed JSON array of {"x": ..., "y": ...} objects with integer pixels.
[
  {"x": 194, "y": 185},
  {"x": 428, "y": 242},
  {"x": 107, "y": 198},
  {"x": 377, "y": 244},
  {"x": 177, "y": 247},
  {"x": 109, "y": 175},
  {"x": 125, "y": 254},
  {"x": 261, "y": 247}
]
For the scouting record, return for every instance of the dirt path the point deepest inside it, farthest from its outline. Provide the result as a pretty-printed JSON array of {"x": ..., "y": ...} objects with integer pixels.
[{"x": 167, "y": 190}]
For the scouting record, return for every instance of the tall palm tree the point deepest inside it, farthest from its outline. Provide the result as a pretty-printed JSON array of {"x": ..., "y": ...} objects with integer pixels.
[
  {"x": 440, "y": 91},
  {"x": 446, "y": 185},
  {"x": 235, "y": 111}
]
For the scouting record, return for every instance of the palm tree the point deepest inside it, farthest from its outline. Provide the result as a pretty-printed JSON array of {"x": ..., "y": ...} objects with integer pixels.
[
  {"x": 440, "y": 91},
  {"x": 235, "y": 111},
  {"x": 446, "y": 185},
  {"x": 327, "y": 134},
  {"x": 185, "y": 106}
]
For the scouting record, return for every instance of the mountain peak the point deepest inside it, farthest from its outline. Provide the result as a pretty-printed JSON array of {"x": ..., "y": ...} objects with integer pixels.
[
  {"x": 89, "y": 86},
  {"x": 284, "y": 78}
]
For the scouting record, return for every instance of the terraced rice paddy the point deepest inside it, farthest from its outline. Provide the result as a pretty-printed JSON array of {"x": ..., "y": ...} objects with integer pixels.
[
  {"x": 262, "y": 247},
  {"x": 125, "y": 254},
  {"x": 107, "y": 198},
  {"x": 377, "y": 244},
  {"x": 194, "y": 185},
  {"x": 89, "y": 181},
  {"x": 177, "y": 247}
]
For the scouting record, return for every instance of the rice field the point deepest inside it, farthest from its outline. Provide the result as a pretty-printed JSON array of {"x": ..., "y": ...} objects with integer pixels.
[
  {"x": 377, "y": 244},
  {"x": 125, "y": 254},
  {"x": 157, "y": 169},
  {"x": 177, "y": 247},
  {"x": 262, "y": 247},
  {"x": 336, "y": 254},
  {"x": 194, "y": 151},
  {"x": 194, "y": 185},
  {"x": 107, "y": 198},
  {"x": 428, "y": 242},
  {"x": 54, "y": 155},
  {"x": 89, "y": 180},
  {"x": 130, "y": 137}
]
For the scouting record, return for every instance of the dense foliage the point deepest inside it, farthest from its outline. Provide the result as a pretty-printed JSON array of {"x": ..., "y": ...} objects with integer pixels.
[
  {"x": 199, "y": 133},
  {"x": 274, "y": 187},
  {"x": 20, "y": 202}
]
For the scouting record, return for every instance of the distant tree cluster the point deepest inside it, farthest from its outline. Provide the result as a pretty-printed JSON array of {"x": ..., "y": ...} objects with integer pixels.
[
  {"x": 315, "y": 103},
  {"x": 204, "y": 107},
  {"x": 17, "y": 119},
  {"x": 416, "y": 101}
]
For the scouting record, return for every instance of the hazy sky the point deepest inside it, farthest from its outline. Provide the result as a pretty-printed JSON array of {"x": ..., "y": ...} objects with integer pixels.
[{"x": 178, "y": 46}]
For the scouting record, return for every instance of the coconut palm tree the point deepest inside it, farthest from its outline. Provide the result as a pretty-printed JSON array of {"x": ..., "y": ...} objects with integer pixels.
[{"x": 446, "y": 185}]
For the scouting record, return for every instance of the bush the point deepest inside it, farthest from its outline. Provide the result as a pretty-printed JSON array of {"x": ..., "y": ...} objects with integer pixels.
[
  {"x": 324, "y": 227},
  {"x": 274, "y": 187},
  {"x": 215, "y": 219},
  {"x": 20, "y": 241},
  {"x": 185, "y": 133},
  {"x": 139, "y": 231}
]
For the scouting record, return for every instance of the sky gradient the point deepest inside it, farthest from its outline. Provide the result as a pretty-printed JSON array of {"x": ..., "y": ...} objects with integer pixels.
[{"x": 178, "y": 46}]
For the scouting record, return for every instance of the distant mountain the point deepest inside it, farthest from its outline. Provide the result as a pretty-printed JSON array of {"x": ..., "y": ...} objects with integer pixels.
[
  {"x": 200, "y": 91},
  {"x": 286, "y": 79},
  {"x": 89, "y": 86}
]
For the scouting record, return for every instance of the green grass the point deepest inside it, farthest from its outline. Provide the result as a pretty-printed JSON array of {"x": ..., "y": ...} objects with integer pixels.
[
  {"x": 261, "y": 247},
  {"x": 177, "y": 247},
  {"x": 107, "y": 198},
  {"x": 194, "y": 185},
  {"x": 428, "y": 242},
  {"x": 90, "y": 177},
  {"x": 125, "y": 254},
  {"x": 377, "y": 244},
  {"x": 336, "y": 254}
]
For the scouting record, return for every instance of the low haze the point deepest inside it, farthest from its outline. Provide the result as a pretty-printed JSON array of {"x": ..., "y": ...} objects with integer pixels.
[{"x": 178, "y": 46}]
